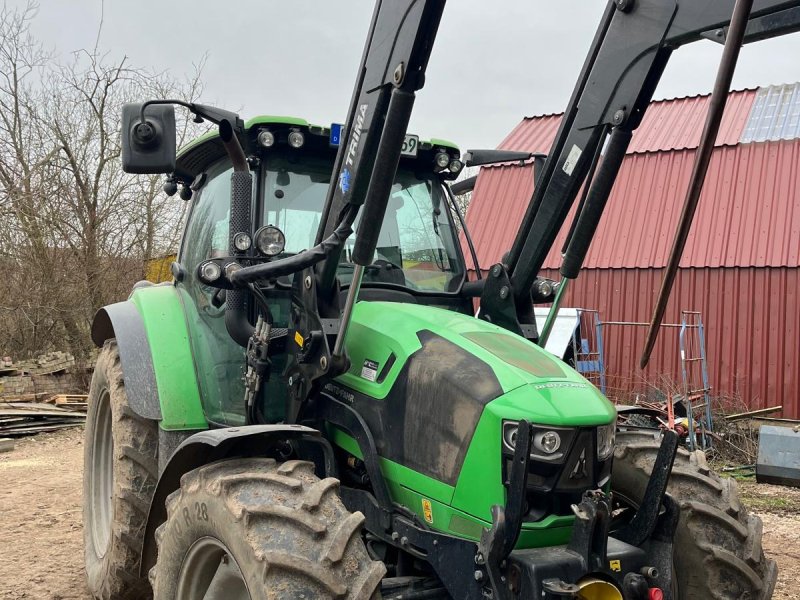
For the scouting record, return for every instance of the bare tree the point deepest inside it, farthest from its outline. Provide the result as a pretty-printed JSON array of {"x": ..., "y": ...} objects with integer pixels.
[{"x": 74, "y": 229}]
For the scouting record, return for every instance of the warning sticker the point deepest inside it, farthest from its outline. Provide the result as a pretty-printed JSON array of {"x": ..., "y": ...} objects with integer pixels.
[
  {"x": 427, "y": 510},
  {"x": 615, "y": 565},
  {"x": 572, "y": 160},
  {"x": 298, "y": 339},
  {"x": 369, "y": 370}
]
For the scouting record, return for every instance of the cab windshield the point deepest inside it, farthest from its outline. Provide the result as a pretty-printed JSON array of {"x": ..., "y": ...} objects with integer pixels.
[{"x": 417, "y": 247}]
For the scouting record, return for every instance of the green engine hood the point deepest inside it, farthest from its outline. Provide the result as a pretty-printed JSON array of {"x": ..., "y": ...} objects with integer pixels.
[
  {"x": 435, "y": 386},
  {"x": 545, "y": 390}
]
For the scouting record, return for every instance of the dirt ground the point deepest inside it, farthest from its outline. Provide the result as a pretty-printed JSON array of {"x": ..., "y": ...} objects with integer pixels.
[{"x": 41, "y": 549}]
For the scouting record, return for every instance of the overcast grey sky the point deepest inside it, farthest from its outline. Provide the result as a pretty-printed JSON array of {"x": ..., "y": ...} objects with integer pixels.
[{"x": 493, "y": 63}]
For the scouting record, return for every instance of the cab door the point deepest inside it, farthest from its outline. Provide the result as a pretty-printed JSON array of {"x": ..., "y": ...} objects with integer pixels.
[{"x": 219, "y": 361}]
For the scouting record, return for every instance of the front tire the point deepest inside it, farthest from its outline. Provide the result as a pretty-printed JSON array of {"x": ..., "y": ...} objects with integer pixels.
[
  {"x": 717, "y": 548},
  {"x": 120, "y": 473},
  {"x": 261, "y": 530}
]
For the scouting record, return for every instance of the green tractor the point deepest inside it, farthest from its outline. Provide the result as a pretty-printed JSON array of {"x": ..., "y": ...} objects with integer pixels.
[{"x": 303, "y": 413}]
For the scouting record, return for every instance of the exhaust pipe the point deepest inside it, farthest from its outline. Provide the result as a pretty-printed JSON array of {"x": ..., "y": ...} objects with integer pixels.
[{"x": 236, "y": 321}]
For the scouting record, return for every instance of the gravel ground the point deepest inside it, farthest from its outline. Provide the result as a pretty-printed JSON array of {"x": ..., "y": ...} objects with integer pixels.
[{"x": 41, "y": 548}]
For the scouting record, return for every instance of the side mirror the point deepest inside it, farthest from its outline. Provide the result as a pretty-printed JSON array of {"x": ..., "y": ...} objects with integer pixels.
[{"x": 148, "y": 146}]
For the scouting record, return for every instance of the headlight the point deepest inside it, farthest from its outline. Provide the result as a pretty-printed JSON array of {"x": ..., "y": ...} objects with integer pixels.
[
  {"x": 266, "y": 138},
  {"x": 209, "y": 271},
  {"x": 241, "y": 241},
  {"x": 270, "y": 240},
  {"x": 296, "y": 139},
  {"x": 605, "y": 441},
  {"x": 546, "y": 442},
  {"x": 442, "y": 160}
]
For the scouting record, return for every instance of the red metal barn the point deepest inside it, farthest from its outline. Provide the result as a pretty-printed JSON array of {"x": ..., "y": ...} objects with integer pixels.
[{"x": 741, "y": 268}]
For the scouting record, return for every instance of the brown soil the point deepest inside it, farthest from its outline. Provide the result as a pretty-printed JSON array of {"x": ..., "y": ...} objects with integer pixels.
[
  {"x": 41, "y": 547},
  {"x": 41, "y": 538}
]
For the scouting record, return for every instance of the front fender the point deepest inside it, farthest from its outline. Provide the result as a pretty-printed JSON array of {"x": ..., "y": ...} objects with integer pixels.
[
  {"x": 156, "y": 355},
  {"x": 206, "y": 447}
]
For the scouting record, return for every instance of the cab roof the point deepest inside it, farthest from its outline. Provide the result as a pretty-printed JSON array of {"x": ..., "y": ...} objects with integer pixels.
[{"x": 198, "y": 154}]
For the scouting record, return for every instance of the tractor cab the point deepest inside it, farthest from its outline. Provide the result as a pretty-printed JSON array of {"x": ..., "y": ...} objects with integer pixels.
[{"x": 418, "y": 257}]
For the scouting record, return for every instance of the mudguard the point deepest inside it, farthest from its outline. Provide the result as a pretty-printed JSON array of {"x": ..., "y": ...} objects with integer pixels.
[
  {"x": 206, "y": 447},
  {"x": 156, "y": 355}
]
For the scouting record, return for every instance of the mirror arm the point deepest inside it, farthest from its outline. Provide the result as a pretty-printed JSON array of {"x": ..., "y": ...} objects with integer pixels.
[{"x": 202, "y": 112}]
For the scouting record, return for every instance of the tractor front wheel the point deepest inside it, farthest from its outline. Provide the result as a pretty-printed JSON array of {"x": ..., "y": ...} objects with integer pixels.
[
  {"x": 120, "y": 473},
  {"x": 717, "y": 547},
  {"x": 254, "y": 529}
]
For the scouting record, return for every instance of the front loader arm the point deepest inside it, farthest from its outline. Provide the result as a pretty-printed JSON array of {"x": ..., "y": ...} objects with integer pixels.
[{"x": 630, "y": 50}]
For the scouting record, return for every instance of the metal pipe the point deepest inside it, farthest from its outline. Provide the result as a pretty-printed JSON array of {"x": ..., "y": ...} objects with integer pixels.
[
  {"x": 236, "y": 321},
  {"x": 553, "y": 314},
  {"x": 467, "y": 236},
  {"x": 741, "y": 14},
  {"x": 349, "y": 303},
  {"x": 233, "y": 147},
  {"x": 637, "y": 324}
]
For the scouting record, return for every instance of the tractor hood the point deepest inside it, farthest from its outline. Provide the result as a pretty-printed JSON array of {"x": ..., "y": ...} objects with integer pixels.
[
  {"x": 524, "y": 380},
  {"x": 437, "y": 388}
]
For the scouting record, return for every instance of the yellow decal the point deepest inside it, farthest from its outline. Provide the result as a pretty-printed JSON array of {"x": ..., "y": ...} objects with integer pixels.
[
  {"x": 614, "y": 565},
  {"x": 298, "y": 339},
  {"x": 427, "y": 510}
]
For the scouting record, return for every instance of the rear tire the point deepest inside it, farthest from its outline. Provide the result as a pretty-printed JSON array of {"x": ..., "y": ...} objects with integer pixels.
[
  {"x": 277, "y": 527},
  {"x": 717, "y": 549},
  {"x": 119, "y": 478}
]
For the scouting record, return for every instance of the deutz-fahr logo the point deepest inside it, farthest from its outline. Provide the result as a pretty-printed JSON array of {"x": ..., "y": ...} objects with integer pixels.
[{"x": 579, "y": 471}]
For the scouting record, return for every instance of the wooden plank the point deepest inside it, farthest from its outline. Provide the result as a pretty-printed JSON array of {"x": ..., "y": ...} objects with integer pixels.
[
  {"x": 753, "y": 413},
  {"x": 59, "y": 399},
  {"x": 41, "y": 429},
  {"x": 32, "y": 406},
  {"x": 15, "y": 412}
]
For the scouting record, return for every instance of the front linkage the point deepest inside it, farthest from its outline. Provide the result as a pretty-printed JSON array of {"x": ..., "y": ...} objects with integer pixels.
[{"x": 635, "y": 558}]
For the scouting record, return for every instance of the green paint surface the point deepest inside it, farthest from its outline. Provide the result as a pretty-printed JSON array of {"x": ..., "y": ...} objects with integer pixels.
[
  {"x": 165, "y": 325},
  {"x": 441, "y": 142},
  {"x": 535, "y": 386}
]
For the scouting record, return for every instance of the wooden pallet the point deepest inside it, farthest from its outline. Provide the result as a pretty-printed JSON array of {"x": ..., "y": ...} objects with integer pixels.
[{"x": 68, "y": 399}]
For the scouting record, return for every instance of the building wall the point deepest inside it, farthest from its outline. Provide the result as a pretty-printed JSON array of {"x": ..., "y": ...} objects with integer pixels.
[{"x": 752, "y": 323}]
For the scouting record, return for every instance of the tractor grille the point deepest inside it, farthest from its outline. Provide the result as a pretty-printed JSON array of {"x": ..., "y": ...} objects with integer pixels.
[{"x": 555, "y": 485}]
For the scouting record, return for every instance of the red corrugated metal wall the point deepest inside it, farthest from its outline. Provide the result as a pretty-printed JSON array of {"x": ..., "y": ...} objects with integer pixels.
[{"x": 751, "y": 317}]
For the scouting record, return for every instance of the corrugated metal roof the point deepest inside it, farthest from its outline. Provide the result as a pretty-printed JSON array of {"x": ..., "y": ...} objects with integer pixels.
[
  {"x": 775, "y": 114},
  {"x": 533, "y": 134},
  {"x": 748, "y": 215},
  {"x": 667, "y": 125}
]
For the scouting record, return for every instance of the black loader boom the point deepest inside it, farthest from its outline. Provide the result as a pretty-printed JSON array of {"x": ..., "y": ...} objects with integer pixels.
[
  {"x": 627, "y": 58},
  {"x": 630, "y": 51}
]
